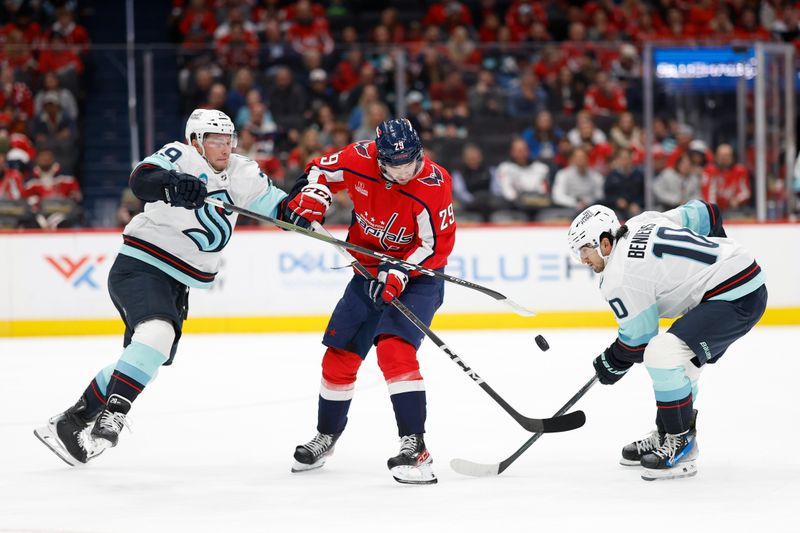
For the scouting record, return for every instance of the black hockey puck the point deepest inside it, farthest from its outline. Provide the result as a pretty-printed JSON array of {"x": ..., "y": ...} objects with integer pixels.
[{"x": 542, "y": 343}]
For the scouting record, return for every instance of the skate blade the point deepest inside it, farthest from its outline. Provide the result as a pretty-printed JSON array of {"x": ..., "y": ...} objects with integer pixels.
[
  {"x": 48, "y": 437},
  {"x": 414, "y": 475},
  {"x": 302, "y": 467},
  {"x": 628, "y": 462},
  {"x": 687, "y": 469}
]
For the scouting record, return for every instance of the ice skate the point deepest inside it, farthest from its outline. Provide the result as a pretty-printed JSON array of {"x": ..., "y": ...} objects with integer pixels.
[
  {"x": 109, "y": 424},
  {"x": 314, "y": 453},
  {"x": 67, "y": 435},
  {"x": 632, "y": 453},
  {"x": 675, "y": 458},
  {"x": 413, "y": 464}
]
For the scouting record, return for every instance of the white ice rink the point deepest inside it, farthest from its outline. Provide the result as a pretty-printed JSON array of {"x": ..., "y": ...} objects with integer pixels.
[{"x": 214, "y": 436}]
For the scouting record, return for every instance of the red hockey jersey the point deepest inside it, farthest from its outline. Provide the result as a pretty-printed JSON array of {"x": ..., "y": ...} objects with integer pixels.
[{"x": 414, "y": 222}]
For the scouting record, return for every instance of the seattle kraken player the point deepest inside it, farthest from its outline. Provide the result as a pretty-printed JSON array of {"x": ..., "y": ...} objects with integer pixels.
[
  {"x": 674, "y": 264},
  {"x": 173, "y": 245},
  {"x": 402, "y": 206}
]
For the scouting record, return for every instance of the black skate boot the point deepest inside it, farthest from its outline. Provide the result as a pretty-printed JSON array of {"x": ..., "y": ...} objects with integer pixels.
[
  {"x": 675, "y": 458},
  {"x": 109, "y": 424},
  {"x": 632, "y": 453},
  {"x": 413, "y": 464},
  {"x": 314, "y": 453},
  {"x": 67, "y": 435}
]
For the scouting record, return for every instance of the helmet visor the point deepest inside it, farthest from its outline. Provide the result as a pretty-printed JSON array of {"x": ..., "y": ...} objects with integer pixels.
[
  {"x": 586, "y": 251},
  {"x": 220, "y": 140},
  {"x": 401, "y": 174}
]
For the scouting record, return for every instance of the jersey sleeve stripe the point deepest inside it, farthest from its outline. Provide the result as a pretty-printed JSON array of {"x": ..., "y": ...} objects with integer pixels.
[
  {"x": 267, "y": 203},
  {"x": 641, "y": 328},
  {"x": 159, "y": 161},
  {"x": 331, "y": 176},
  {"x": 695, "y": 216},
  {"x": 426, "y": 234}
]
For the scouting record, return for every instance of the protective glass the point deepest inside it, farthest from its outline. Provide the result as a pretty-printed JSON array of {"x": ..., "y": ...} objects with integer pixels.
[{"x": 401, "y": 174}]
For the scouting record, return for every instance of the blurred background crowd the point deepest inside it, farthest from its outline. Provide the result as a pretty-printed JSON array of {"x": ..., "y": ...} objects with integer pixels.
[{"x": 534, "y": 106}]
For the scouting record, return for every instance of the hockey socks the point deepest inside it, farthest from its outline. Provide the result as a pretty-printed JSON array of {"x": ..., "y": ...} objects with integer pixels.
[
  {"x": 676, "y": 416},
  {"x": 339, "y": 369},
  {"x": 398, "y": 361}
]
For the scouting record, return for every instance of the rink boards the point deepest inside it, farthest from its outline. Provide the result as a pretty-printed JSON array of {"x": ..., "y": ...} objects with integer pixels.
[{"x": 55, "y": 283}]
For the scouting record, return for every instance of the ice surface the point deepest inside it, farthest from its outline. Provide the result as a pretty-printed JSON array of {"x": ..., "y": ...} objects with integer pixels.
[{"x": 214, "y": 435}]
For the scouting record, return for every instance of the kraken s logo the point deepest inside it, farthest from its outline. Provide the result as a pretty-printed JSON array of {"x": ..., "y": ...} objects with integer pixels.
[{"x": 217, "y": 228}]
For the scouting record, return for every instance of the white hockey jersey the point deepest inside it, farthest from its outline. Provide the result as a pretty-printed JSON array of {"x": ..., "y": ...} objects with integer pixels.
[
  {"x": 667, "y": 264},
  {"x": 185, "y": 243}
]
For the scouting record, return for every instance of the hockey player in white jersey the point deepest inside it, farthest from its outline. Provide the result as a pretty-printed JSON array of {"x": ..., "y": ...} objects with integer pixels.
[
  {"x": 665, "y": 265},
  {"x": 173, "y": 245}
]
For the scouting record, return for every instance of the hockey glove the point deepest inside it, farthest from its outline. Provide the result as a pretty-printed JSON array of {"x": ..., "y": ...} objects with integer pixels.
[
  {"x": 388, "y": 284},
  {"x": 308, "y": 206},
  {"x": 609, "y": 369},
  {"x": 184, "y": 190}
]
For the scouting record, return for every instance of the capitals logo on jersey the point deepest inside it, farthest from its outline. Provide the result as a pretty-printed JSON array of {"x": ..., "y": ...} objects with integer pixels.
[
  {"x": 434, "y": 179},
  {"x": 386, "y": 237},
  {"x": 361, "y": 148}
]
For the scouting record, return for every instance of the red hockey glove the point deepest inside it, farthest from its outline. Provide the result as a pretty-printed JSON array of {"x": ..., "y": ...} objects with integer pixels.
[
  {"x": 389, "y": 283},
  {"x": 308, "y": 206}
]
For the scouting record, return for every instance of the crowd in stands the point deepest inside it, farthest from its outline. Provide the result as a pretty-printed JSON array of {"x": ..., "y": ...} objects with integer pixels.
[
  {"x": 535, "y": 106},
  {"x": 41, "y": 65}
]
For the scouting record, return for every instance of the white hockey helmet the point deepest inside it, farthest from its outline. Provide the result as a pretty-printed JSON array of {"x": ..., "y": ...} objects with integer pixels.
[
  {"x": 586, "y": 229},
  {"x": 203, "y": 121}
]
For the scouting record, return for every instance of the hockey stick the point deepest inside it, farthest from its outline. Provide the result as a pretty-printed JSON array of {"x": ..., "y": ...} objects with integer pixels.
[
  {"x": 468, "y": 468},
  {"x": 330, "y": 239},
  {"x": 556, "y": 424}
]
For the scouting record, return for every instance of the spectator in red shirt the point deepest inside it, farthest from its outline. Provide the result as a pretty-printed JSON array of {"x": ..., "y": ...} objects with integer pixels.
[
  {"x": 452, "y": 92},
  {"x": 293, "y": 11},
  {"x": 198, "y": 19},
  {"x": 749, "y": 29},
  {"x": 604, "y": 97},
  {"x": 11, "y": 182},
  {"x": 16, "y": 53},
  {"x": 235, "y": 16},
  {"x": 237, "y": 49},
  {"x": 676, "y": 28},
  {"x": 30, "y": 31},
  {"x": 61, "y": 58},
  {"x": 461, "y": 50},
  {"x": 49, "y": 182},
  {"x": 345, "y": 75},
  {"x": 549, "y": 65},
  {"x": 521, "y": 14},
  {"x": 72, "y": 33},
  {"x": 16, "y": 95},
  {"x": 725, "y": 182},
  {"x": 397, "y": 32},
  {"x": 307, "y": 31},
  {"x": 487, "y": 33},
  {"x": 448, "y": 15}
]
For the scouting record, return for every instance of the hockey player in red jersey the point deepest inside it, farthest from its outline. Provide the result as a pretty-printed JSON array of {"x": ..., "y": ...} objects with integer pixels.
[{"x": 402, "y": 206}]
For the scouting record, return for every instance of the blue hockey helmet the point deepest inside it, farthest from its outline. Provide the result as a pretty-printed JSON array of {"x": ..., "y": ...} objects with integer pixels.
[{"x": 399, "y": 150}]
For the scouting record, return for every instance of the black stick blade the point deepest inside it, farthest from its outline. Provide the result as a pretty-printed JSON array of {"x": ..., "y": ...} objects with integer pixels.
[{"x": 557, "y": 424}]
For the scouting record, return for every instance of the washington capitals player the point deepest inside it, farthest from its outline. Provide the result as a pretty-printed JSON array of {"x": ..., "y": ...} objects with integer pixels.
[
  {"x": 674, "y": 264},
  {"x": 173, "y": 245},
  {"x": 402, "y": 206}
]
